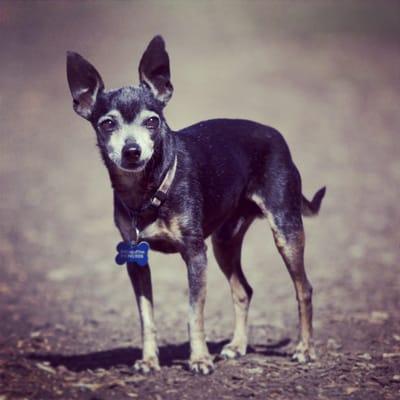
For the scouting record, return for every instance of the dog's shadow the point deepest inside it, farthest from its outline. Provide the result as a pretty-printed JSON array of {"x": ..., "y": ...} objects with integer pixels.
[{"x": 170, "y": 354}]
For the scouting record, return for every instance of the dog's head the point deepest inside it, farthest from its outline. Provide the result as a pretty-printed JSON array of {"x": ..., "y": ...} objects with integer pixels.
[{"x": 129, "y": 121}]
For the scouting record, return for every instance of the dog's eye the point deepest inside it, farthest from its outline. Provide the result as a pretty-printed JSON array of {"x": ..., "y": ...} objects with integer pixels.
[
  {"x": 152, "y": 123},
  {"x": 108, "y": 125}
]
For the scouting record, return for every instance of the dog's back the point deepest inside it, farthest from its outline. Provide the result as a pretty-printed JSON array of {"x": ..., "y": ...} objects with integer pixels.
[{"x": 231, "y": 159}]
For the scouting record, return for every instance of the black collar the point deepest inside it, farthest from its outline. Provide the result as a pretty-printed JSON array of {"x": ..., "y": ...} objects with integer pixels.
[{"x": 155, "y": 201}]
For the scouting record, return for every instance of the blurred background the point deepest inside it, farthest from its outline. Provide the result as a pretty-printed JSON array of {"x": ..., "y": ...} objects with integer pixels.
[{"x": 324, "y": 73}]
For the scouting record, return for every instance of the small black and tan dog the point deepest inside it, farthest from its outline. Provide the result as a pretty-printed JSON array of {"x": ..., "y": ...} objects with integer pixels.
[{"x": 174, "y": 189}]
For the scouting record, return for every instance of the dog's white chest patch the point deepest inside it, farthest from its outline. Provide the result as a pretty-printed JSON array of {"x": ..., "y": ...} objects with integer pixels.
[{"x": 162, "y": 230}]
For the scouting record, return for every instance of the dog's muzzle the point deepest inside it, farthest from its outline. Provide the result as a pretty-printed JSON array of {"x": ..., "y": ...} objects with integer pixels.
[
  {"x": 130, "y": 157},
  {"x": 131, "y": 152}
]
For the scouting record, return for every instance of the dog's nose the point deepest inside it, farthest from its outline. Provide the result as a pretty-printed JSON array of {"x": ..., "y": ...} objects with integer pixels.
[{"x": 131, "y": 152}]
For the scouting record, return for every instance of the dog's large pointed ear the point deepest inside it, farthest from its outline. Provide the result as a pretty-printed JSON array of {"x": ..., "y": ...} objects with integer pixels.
[
  {"x": 154, "y": 70},
  {"x": 84, "y": 83}
]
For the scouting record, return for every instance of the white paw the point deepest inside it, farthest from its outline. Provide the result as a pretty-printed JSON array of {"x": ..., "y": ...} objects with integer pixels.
[
  {"x": 202, "y": 366},
  {"x": 304, "y": 354},
  {"x": 147, "y": 365},
  {"x": 231, "y": 351}
]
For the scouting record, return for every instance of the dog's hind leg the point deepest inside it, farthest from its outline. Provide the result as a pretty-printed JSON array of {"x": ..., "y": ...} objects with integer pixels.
[
  {"x": 227, "y": 245},
  {"x": 287, "y": 228},
  {"x": 290, "y": 242}
]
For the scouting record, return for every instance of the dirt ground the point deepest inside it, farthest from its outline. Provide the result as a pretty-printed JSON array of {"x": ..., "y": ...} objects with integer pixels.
[{"x": 326, "y": 74}]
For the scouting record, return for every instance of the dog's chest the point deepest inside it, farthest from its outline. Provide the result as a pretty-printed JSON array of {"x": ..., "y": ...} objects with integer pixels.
[{"x": 163, "y": 234}]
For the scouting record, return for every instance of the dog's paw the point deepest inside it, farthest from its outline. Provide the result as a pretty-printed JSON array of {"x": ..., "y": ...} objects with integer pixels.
[
  {"x": 202, "y": 366},
  {"x": 146, "y": 366},
  {"x": 230, "y": 351},
  {"x": 304, "y": 354}
]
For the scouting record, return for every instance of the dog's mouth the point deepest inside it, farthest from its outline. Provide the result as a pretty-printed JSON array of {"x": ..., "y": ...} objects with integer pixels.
[
  {"x": 132, "y": 167},
  {"x": 127, "y": 166}
]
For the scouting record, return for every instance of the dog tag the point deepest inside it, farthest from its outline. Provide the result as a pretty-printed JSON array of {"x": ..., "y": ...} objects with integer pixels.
[{"x": 129, "y": 252}]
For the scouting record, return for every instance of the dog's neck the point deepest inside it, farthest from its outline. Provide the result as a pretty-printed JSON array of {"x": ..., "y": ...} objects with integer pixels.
[{"x": 136, "y": 188}]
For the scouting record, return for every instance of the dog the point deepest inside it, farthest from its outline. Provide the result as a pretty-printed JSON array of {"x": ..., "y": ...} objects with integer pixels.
[{"x": 174, "y": 189}]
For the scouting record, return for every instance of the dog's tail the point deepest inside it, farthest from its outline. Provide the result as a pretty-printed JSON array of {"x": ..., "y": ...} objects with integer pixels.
[{"x": 311, "y": 208}]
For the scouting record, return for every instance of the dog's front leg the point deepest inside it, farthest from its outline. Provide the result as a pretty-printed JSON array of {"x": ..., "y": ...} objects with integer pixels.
[
  {"x": 141, "y": 282},
  {"x": 196, "y": 261}
]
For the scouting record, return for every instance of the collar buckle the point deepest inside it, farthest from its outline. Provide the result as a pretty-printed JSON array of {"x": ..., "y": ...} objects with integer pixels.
[{"x": 158, "y": 198}]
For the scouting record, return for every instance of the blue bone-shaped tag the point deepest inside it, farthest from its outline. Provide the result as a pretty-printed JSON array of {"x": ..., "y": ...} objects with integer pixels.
[{"x": 132, "y": 253}]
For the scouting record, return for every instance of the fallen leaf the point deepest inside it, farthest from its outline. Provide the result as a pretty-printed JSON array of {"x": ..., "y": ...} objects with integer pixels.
[
  {"x": 59, "y": 327},
  {"x": 45, "y": 367},
  {"x": 378, "y": 317},
  {"x": 256, "y": 370},
  {"x": 116, "y": 382},
  {"x": 365, "y": 356},
  {"x": 390, "y": 355},
  {"x": 350, "y": 390},
  {"x": 90, "y": 386}
]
